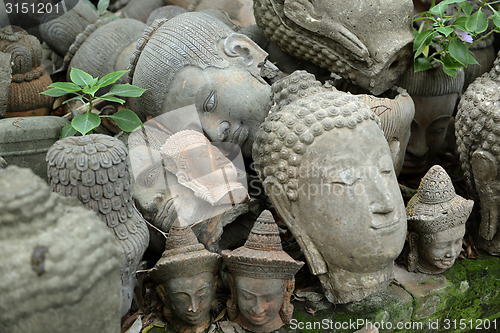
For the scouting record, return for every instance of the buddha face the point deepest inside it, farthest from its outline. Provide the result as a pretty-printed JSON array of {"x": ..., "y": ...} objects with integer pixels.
[
  {"x": 259, "y": 301},
  {"x": 190, "y": 297},
  {"x": 231, "y": 102},
  {"x": 428, "y": 130},
  {"x": 206, "y": 167},
  {"x": 349, "y": 199},
  {"x": 440, "y": 249}
]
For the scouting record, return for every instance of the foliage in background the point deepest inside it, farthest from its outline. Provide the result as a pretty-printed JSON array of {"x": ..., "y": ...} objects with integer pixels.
[
  {"x": 447, "y": 39},
  {"x": 84, "y": 86}
]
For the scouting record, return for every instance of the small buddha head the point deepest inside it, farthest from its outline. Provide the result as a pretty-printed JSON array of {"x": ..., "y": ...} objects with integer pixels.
[
  {"x": 261, "y": 277},
  {"x": 435, "y": 95},
  {"x": 436, "y": 222},
  {"x": 203, "y": 168},
  {"x": 186, "y": 279}
]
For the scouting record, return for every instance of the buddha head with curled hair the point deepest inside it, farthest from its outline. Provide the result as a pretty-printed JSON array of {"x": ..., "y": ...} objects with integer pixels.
[
  {"x": 328, "y": 170},
  {"x": 194, "y": 58}
]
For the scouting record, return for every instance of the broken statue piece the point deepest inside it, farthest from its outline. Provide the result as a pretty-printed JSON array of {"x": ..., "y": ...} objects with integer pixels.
[
  {"x": 366, "y": 42},
  {"x": 262, "y": 279},
  {"x": 194, "y": 58},
  {"x": 186, "y": 278},
  {"x": 436, "y": 222},
  {"x": 203, "y": 168},
  {"x": 327, "y": 169},
  {"x": 477, "y": 129},
  {"x": 94, "y": 169},
  {"x": 58, "y": 262}
]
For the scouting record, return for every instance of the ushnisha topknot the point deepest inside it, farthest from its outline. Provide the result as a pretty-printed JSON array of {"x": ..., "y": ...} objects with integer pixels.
[
  {"x": 184, "y": 256},
  {"x": 262, "y": 256},
  {"x": 303, "y": 110},
  {"x": 436, "y": 206}
]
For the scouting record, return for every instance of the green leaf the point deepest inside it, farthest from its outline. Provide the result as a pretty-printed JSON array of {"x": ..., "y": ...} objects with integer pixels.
[
  {"x": 477, "y": 22},
  {"x": 112, "y": 99},
  {"x": 449, "y": 71},
  {"x": 444, "y": 30},
  {"x": 126, "y": 90},
  {"x": 451, "y": 63},
  {"x": 438, "y": 9},
  {"x": 126, "y": 119},
  {"x": 54, "y": 92},
  {"x": 458, "y": 51},
  {"x": 471, "y": 60},
  {"x": 460, "y": 23},
  {"x": 467, "y": 8},
  {"x": 76, "y": 98},
  {"x": 90, "y": 90},
  {"x": 421, "y": 64},
  {"x": 496, "y": 19},
  {"x": 67, "y": 130},
  {"x": 85, "y": 122},
  {"x": 80, "y": 77},
  {"x": 102, "y": 5},
  {"x": 422, "y": 40},
  {"x": 449, "y": 2},
  {"x": 69, "y": 87},
  {"x": 111, "y": 78}
]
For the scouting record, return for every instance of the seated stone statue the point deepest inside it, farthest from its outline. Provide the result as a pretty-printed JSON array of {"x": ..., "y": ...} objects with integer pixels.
[
  {"x": 478, "y": 135},
  {"x": 59, "y": 265},
  {"x": 366, "y": 42},
  {"x": 327, "y": 169},
  {"x": 261, "y": 277},
  {"x": 194, "y": 58},
  {"x": 201, "y": 167},
  {"x": 436, "y": 221},
  {"x": 186, "y": 278},
  {"x": 435, "y": 95}
]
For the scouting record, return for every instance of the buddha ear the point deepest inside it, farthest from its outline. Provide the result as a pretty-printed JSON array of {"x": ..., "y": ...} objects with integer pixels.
[
  {"x": 287, "y": 209},
  {"x": 239, "y": 45},
  {"x": 484, "y": 165},
  {"x": 413, "y": 252},
  {"x": 303, "y": 13}
]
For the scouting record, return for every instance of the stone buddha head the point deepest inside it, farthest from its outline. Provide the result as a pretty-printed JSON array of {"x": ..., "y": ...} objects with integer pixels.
[
  {"x": 186, "y": 278},
  {"x": 477, "y": 130},
  {"x": 327, "y": 169},
  {"x": 261, "y": 276},
  {"x": 203, "y": 168},
  {"x": 435, "y": 95},
  {"x": 436, "y": 221},
  {"x": 194, "y": 58},
  {"x": 366, "y": 42}
]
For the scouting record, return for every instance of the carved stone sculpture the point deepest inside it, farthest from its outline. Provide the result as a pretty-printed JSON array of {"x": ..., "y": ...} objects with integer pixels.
[
  {"x": 240, "y": 11},
  {"x": 194, "y": 58},
  {"x": 105, "y": 47},
  {"x": 59, "y": 31},
  {"x": 24, "y": 141},
  {"x": 477, "y": 129},
  {"x": 59, "y": 264},
  {"x": 203, "y": 168},
  {"x": 135, "y": 9},
  {"x": 94, "y": 169},
  {"x": 5, "y": 79},
  {"x": 262, "y": 279},
  {"x": 167, "y": 12},
  {"x": 396, "y": 115},
  {"x": 186, "y": 278},
  {"x": 29, "y": 77},
  {"x": 435, "y": 95},
  {"x": 327, "y": 169},
  {"x": 436, "y": 222},
  {"x": 365, "y": 42}
]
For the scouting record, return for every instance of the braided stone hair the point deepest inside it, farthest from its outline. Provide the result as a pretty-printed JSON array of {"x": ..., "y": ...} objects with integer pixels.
[{"x": 303, "y": 110}]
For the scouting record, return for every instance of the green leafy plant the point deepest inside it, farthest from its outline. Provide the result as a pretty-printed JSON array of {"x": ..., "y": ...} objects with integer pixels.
[
  {"x": 84, "y": 86},
  {"x": 447, "y": 39}
]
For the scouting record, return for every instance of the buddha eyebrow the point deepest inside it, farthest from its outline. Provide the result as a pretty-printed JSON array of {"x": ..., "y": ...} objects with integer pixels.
[{"x": 260, "y": 295}]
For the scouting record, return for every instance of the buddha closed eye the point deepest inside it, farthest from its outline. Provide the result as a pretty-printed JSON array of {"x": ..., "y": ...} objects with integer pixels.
[{"x": 211, "y": 102}]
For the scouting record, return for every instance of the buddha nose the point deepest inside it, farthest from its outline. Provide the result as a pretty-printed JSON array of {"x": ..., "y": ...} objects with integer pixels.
[
  {"x": 193, "y": 307},
  {"x": 257, "y": 308},
  {"x": 380, "y": 200},
  {"x": 417, "y": 144}
]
